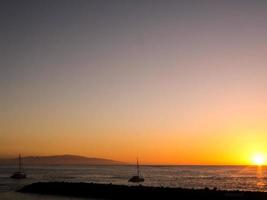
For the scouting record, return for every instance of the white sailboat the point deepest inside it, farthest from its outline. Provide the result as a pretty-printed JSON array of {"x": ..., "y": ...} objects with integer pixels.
[
  {"x": 137, "y": 178},
  {"x": 20, "y": 173}
]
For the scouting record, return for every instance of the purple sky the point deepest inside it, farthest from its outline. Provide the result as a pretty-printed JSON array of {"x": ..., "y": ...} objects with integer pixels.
[{"x": 114, "y": 69}]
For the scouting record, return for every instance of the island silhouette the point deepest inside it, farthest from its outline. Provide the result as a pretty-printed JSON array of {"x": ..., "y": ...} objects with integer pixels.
[{"x": 61, "y": 160}]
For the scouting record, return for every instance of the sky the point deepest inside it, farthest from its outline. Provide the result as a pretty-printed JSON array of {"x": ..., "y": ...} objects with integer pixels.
[{"x": 172, "y": 82}]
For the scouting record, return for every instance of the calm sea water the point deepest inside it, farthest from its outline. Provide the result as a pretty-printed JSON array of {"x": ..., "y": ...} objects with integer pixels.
[{"x": 222, "y": 177}]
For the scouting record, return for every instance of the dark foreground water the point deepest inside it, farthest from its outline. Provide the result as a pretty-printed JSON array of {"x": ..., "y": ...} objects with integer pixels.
[{"x": 247, "y": 178}]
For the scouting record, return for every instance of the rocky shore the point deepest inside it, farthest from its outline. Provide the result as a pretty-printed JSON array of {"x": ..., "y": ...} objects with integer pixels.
[{"x": 110, "y": 191}]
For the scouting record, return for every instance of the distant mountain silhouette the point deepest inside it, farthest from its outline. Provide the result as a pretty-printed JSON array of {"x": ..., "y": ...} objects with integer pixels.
[{"x": 60, "y": 160}]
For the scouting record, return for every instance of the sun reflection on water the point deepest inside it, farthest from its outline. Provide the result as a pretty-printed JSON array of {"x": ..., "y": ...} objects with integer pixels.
[{"x": 260, "y": 182}]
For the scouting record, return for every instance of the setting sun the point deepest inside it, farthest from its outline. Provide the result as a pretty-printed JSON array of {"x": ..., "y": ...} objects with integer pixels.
[{"x": 258, "y": 159}]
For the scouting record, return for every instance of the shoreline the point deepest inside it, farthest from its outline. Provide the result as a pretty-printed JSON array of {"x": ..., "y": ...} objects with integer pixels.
[{"x": 111, "y": 191}]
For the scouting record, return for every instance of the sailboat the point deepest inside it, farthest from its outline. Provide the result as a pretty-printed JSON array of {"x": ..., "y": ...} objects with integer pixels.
[
  {"x": 137, "y": 178},
  {"x": 20, "y": 173}
]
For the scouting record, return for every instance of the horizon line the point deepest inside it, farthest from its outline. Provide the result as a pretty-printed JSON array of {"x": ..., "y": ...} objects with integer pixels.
[{"x": 3, "y": 157}]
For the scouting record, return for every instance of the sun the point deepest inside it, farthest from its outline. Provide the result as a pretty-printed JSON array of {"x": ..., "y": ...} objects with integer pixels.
[{"x": 258, "y": 159}]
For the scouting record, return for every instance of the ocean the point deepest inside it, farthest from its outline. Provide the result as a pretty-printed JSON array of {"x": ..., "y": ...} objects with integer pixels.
[{"x": 247, "y": 178}]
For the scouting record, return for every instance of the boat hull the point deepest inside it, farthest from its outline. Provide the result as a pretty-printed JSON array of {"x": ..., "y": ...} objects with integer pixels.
[
  {"x": 18, "y": 175},
  {"x": 136, "y": 179}
]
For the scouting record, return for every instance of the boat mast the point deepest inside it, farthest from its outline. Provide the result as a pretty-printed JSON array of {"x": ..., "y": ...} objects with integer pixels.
[
  {"x": 138, "y": 168},
  {"x": 20, "y": 164}
]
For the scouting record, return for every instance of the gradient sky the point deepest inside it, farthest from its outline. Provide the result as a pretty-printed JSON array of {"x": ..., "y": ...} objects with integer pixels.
[{"x": 175, "y": 82}]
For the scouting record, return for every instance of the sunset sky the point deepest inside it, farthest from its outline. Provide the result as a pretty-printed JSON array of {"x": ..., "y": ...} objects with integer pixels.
[{"x": 174, "y": 82}]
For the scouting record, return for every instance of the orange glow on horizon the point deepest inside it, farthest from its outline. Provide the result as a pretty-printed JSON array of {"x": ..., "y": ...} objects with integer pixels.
[{"x": 151, "y": 147}]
